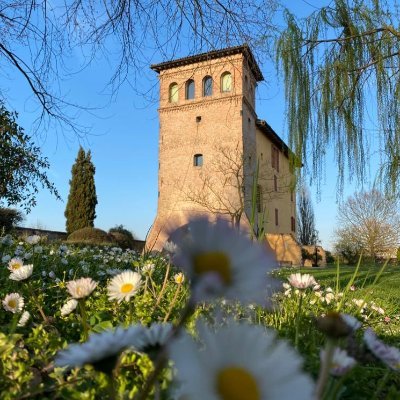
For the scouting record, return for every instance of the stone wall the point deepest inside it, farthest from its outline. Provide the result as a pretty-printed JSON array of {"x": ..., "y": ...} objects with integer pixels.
[{"x": 286, "y": 248}]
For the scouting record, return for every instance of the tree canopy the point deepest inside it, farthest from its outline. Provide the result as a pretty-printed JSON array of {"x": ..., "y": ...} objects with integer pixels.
[
  {"x": 306, "y": 232},
  {"x": 368, "y": 222},
  {"x": 341, "y": 74},
  {"x": 23, "y": 169},
  {"x": 80, "y": 211}
]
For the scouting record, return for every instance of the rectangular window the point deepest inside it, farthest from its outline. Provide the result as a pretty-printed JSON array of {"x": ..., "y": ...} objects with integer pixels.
[
  {"x": 275, "y": 183},
  {"x": 293, "y": 224},
  {"x": 275, "y": 157},
  {"x": 198, "y": 160},
  {"x": 276, "y": 217},
  {"x": 291, "y": 195}
]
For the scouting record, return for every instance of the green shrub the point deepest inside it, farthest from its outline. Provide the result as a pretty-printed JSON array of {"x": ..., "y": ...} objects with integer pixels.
[
  {"x": 122, "y": 237},
  {"x": 90, "y": 235},
  {"x": 330, "y": 259},
  {"x": 9, "y": 217}
]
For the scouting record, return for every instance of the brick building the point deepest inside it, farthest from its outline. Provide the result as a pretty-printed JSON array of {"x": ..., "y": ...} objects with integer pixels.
[{"x": 211, "y": 143}]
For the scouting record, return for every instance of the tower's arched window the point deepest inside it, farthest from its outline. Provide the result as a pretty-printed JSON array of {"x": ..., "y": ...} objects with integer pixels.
[
  {"x": 190, "y": 89},
  {"x": 198, "y": 160},
  {"x": 173, "y": 93},
  {"x": 226, "y": 82},
  {"x": 207, "y": 86}
]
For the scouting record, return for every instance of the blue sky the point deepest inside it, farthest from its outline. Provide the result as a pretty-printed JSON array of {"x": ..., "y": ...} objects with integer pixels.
[{"x": 124, "y": 141}]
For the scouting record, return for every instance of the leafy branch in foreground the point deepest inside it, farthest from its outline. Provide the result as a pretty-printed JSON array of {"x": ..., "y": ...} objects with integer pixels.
[{"x": 22, "y": 165}]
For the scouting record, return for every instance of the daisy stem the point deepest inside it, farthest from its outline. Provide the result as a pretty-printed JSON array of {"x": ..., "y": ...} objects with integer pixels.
[
  {"x": 163, "y": 287},
  {"x": 37, "y": 302},
  {"x": 130, "y": 312},
  {"x": 324, "y": 368},
  {"x": 296, "y": 338},
  {"x": 83, "y": 319},
  {"x": 14, "y": 322},
  {"x": 145, "y": 285},
  {"x": 382, "y": 383},
  {"x": 172, "y": 305},
  {"x": 162, "y": 359},
  {"x": 333, "y": 393}
]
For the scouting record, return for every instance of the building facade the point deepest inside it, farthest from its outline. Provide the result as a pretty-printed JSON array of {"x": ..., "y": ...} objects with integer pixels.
[{"x": 213, "y": 148}]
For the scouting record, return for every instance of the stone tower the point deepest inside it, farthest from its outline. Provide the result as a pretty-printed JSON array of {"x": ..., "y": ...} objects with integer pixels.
[{"x": 206, "y": 101}]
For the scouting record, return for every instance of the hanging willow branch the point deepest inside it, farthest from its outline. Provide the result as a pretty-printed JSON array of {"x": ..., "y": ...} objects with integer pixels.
[{"x": 341, "y": 72}]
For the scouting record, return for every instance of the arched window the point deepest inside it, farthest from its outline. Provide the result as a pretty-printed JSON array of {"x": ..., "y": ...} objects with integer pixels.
[
  {"x": 226, "y": 82},
  {"x": 198, "y": 160},
  {"x": 190, "y": 89},
  {"x": 207, "y": 86},
  {"x": 173, "y": 93}
]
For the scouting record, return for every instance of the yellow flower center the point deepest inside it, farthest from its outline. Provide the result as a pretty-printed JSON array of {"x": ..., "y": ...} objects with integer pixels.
[
  {"x": 235, "y": 383},
  {"x": 12, "y": 303},
  {"x": 213, "y": 262},
  {"x": 16, "y": 266},
  {"x": 126, "y": 287}
]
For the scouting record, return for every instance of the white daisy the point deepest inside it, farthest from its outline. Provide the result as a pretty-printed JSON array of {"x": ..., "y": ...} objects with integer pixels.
[
  {"x": 81, "y": 288},
  {"x": 101, "y": 349},
  {"x": 13, "y": 302},
  {"x": 148, "y": 268},
  {"x": 14, "y": 264},
  {"x": 337, "y": 325},
  {"x": 352, "y": 322},
  {"x": 239, "y": 361},
  {"x": 302, "y": 281},
  {"x": 387, "y": 354},
  {"x": 341, "y": 362},
  {"x": 221, "y": 261},
  {"x": 24, "y": 319},
  {"x": 22, "y": 273},
  {"x": 6, "y": 258},
  {"x": 124, "y": 286},
  {"x": 152, "y": 338},
  {"x": 179, "y": 278},
  {"x": 68, "y": 307},
  {"x": 170, "y": 247},
  {"x": 33, "y": 239}
]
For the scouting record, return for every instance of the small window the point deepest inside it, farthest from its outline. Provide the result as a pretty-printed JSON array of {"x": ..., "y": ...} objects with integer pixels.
[
  {"x": 198, "y": 160},
  {"x": 259, "y": 198},
  {"x": 293, "y": 224},
  {"x": 226, "y": 82},
  {"x": 207, "y": 86},
  {"x": 291, "y": 196},
  {"x": 275, "y": 183},
  {"x": 190, "y": 89},
  {"x": 275, "y": 157},
  {"x": 173, "y": 93},
  {"x": 276, "y": 217}
]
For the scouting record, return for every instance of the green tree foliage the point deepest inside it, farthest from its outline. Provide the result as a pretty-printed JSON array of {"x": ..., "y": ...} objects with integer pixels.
[
  {"x": 22, "y": 166},
  {"x": 82, "y": 199},
  {"x": 369, "y": 223},
  {"x": 306, "y": 232},
  {"x": 122, "y": 236},
  {"x": 9, "y": 217},
  {"x": 341, "y": 71}
]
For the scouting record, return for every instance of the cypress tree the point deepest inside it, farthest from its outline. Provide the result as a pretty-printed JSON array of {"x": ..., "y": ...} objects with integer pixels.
[{"x": 80, "y": 211}]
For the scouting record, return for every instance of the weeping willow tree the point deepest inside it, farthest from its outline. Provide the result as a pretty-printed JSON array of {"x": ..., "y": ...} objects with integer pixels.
[{"x": 341, "y": 73}]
